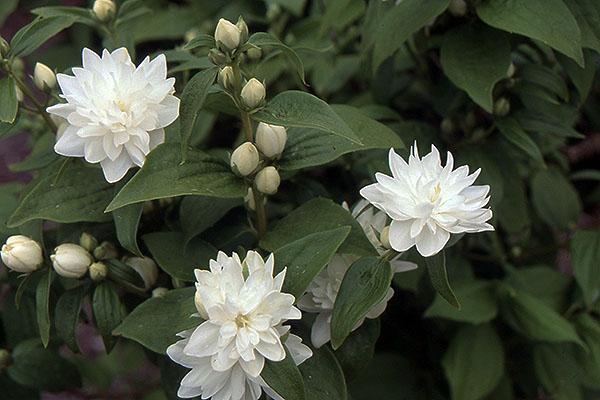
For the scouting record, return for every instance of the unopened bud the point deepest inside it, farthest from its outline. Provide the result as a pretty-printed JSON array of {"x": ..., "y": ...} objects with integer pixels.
[
  {"x": 384, "y": 237},
  {"x": 458, "y": 8},
  {"x": 160, "y": 292},
  {"x": 104, "y": 10},
  {"x": 253, "y": 93},
  {"x": 267, "y": 180},
  {"x": 447, "y": 126},
  {"x": 19, "y": 93},
  {"x": 98, "y": 271},
  {"x": 226, "y": 77},
  {"x": 249, "y": 199},
  {"x": 146, "y": 268},
  {"x": 43, "y": 77},
  {"x": 243, "y": 28},
  {"x": 18, "y": 66},
  {"x": 87, "y": 241},
  {"x": 510, "y": 72},
  {"x": 217, "y": 57},
  {"x": 71, "y": 260},
  {"x": 4, "y": 47},
  {"x": 244, "y": 159},
  {"x": 105, "y": 251},
  {"x": 502, "y": 107},
  {"x": 22, "y": 254},
  {"x": 191, "y": 34},
  {"x": 254, "y": 53},
  {"x": 227, "y": 35},
  {"x": 270, "y": 139},
  {"x": 200, "y": 306}
]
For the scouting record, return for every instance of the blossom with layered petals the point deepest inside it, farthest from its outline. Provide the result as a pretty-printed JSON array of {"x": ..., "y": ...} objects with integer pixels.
[
  {"x": 428, "y": 202},
  {"x": 115, "y": 112},
  {"x": 244, "y": 311}
]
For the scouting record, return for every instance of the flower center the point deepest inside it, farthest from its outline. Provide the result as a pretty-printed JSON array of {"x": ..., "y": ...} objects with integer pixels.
[
  {"x": 242, "y": 321},
  {"x": 436, "y": 193},
  {"x": 122, "y": 106}
]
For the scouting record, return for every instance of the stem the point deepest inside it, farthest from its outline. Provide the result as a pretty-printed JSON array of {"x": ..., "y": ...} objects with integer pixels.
[
  {"x": 247, "y": 126},
  {"x": 40, "y": 109}
]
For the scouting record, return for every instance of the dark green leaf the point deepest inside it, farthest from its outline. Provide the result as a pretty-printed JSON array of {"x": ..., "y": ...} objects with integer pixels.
[
  {"x": 198, "y": 213},
  {"x": 8, "y": 100},
  {"x": 436, "y": 266},
  {"x": 477, "y": 301},
  {"x": 202, "y": 40},
  {"x": 284, "y": 378},
  {"x": 123, "y": 274},
  {"x": 587, "y": 14},
  {"x": 585, "y": 259},
  {"x": 582, "y": 78},
  {"x": 323, "y": 377},
  {"x": 549, "y": 187},
  {"x": 475, "y": 58},
  {"x": 78, "y": 14},
  {"x": 558, "y": 371},
  {"x": 156, "y": 322},
  {"x": 261, "y": 39},
  {"x": 66, "y": 315},
  {"x": 42, "y": 305},
  {"x": 163, "y": 175},
  {"x": 474, "y": 362},
  {"x": 126, "y": 221},
  {"x": 109, "y": 311},
  {"x": 358, "y": 349},
  {"x": 364, "y": 286},
  {"x": 512, "y": 131},
  {"x": 33, "y": 35},
  {"x": 306, "y": 257}
]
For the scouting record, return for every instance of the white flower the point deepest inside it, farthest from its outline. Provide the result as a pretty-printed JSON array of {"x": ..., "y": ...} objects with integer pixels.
[
  {"x": 244, "y": 310},
  {"x": 71, "y": 260},
  {"x": 322, "y": 292},
  {"x": 428, "y": 202},
  {"x": 116, "y": 113},
  {"x": 22, "y": 254}
]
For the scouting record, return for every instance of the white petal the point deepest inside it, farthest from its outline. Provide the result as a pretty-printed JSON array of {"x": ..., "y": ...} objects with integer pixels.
[
  {"x": 70, "y": 144},
  {"x": 429, "y": 243},
  {"x": 400, "y": 238},
  {"x": 321, "y": 330},
  {"x": 115, "y": 170}
]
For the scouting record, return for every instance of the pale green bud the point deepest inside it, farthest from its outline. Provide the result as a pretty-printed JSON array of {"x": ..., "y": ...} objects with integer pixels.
[
  {"x": 244, "y": 159},
  {"x": 98, "y": 271},
  {"x": 160, "y": 292},
  {"x": 253, "y": 94},
  {"x": 267, "y": 180},
  {"x": 105, "y": 251},
  {"x": 226, "y": 77},
  {"x": 88, "y": 242},
  {"x": 502, "y": 107},
  {"x": 104, "y": 10}
]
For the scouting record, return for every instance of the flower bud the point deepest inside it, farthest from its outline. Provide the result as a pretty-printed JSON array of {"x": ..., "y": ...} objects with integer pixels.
[
  {"x": 270, "y": 139},
  {"x": 146, "y": 268},
  {"x": 88, "y": 242},
  {"x": 160, "y": 292},
  {"x": 244, "y": 159},
  {"x": 98, "y": 271},
  {"x": 243, "y": 28},
  {"x": 191, "y": 34},
  {"x": 43, "y": 77},
  {"x": 384, "y": 237},
  {"x": 105, "y": 251},
  {"x": 249, "y": 199},
  {"x": 458, "y": 8},
  {"x": 253, "y": 93},
  {"x": 19, "y": 93},
  {"x": 199, "y": 306},
  {"x": 104, "y": 10},
  {"x": 227, "y": 35},
  {"x": 254, "y": 53},
  {"x": 4, "y": 47},
  {"x": 71, "y": 260},
  {"x": 267, "y": 180},
  {"x": 447, "y": 126},
  {"x": 22, "y": 254},
  {"x": 217, "y": 57},
  {"x": 510, "y": 72},
  {"x": 502, "y": 107},
  {"x": 226, "y": 77}
]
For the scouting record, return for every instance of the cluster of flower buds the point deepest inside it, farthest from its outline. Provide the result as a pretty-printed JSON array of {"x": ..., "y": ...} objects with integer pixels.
[
  {"x": 104, "y": 10},
  {"x": 229, "y": 38}
]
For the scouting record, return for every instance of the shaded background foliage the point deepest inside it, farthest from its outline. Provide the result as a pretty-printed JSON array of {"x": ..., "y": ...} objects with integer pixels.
[{"x": 508, "y": 86}]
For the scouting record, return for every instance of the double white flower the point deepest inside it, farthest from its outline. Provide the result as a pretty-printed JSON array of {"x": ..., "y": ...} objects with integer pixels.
[
  {"x": 244, "y": 311},
  {"x": 428, "y": 202},
  {"x": 115, "y": 113}
]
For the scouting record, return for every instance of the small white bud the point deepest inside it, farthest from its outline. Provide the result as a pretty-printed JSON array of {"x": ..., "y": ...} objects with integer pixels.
[
  {"x": 510, "y": 72},
  {"x": 502, "y": 107},
  {"x": 160, "y": 292},
  {"x": 22, "y": 254},
  {"x": 105, "y": 251},
  {"x": 98, "y": 271},
  {"x": 105, "y": 10},
  {"x": 267, "y": 180},
  {"x": 146, "y": 268},
  {"x": 458, "y": 8},
  {"x": 19, "y": 93},
  {"x": 226, "y": 77},
  {"x": 71, "y": 260},
  {"x": 270, "y": 139},
  {"x": 243, "y": 28},
  {"x": 244, "y": 159},
  {"x": 191, "y": 34},
  {"x": 384, "y": 237},
  {"x": 253, "y": 93},
  {"x": 249, "y": 199},
  {"x": 43, "y": 77},
  {"x": 227, "y": 35},
  {"x": 200, "y": 306},
  {"x": 87, "y": 241}
]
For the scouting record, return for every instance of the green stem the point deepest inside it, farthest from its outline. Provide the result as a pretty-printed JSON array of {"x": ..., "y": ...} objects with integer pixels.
[{"x": 38, "y": 106}]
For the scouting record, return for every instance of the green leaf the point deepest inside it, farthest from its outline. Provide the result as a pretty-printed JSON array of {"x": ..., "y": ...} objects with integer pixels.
[
  {"x": 475, "y": 58},
  {"x": 315, "y": 216},
  {"x": 176, "y": 256},
  {"x": 549, "y": 187},
  {"x": 36, "y": 33},
  {"x": 295, "y": 109},
  {"x": 436, "y": 267},
  {"x": 198, "y": 213},
  {"x": 202, "y": 40},
  {"x": 192, "y": 100},
  {"x": 587, "y": 14},
  {"x": 585, "y": 259},
  {"x": 109, "y": 311},
  {"x": 284, "y": 378},
  {"x": 477, "y": 300},
  {"x": 66, "y": 315},
  {"x": 338, "y": 14},
  {"x": 306, "y": 257},
  {"x": 7, "y": 7},
  {"x": 126, "y": 221},
  {"x": 549, "y": 21},
  {"x": 589, "y": 329},
  {"x": 156, "y": 322},
  {"x": 364, "y": 286},
  {"x": 582, "y": 78},
  {"x": 74, "y": 193},
  {"x": 78, "y": 14},
  {"x": 43, "y": 369},
  {"x": 358, "y": 349},
  {"x": 310, "y": 147},
  {"x": 264, "y": 39},
  {"x": 512, "y": 131},
  {"x": 163, "y": 175},
  {"x": 474, "y": 362},
  {"x": 399, "y": 23},
  {"x": 123, "y": 274},
  {"x": 536, "y": 320},
  {"x": 558, "y": 371},
  {"x": 544, "y": 283},
  {"x": 42, "y": 305},
  {"x": 323, "y": 376},
  {"x": 9, "y": 105}
]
